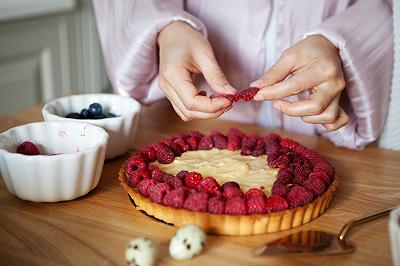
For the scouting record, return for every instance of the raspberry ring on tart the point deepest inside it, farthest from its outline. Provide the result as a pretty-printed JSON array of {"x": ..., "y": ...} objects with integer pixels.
[{"x": 234, "y": 184}]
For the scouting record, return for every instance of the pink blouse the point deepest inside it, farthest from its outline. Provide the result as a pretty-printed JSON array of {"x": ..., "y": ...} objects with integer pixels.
[{"x": 247, "y": 38}]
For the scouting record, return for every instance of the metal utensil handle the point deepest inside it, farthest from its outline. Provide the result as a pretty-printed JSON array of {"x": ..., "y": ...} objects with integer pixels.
[{"x": 357, "y": 221}]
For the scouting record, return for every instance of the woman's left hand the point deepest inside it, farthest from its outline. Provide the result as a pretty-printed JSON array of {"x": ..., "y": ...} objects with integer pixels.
[{"x": 315, "y": 65}]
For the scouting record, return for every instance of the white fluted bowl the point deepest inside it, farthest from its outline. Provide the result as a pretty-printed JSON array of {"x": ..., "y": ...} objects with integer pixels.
[
  {"x": 122, "y": 129},
  {"x": 72, "y": 168}
]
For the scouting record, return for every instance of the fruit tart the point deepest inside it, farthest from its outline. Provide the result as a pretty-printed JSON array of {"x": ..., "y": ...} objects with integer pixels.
[{"x": 233, "y": 184}]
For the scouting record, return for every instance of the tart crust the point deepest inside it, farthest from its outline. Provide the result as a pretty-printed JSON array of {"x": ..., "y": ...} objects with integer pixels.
[{"x": 223, "y": 224}]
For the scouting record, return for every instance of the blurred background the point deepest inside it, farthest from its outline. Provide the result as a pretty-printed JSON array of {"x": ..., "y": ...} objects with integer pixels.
[{"x": 48, "y": 48}]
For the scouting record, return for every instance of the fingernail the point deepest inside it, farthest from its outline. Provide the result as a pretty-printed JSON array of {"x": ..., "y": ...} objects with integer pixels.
[
  {"x": 276, "y": 106},
  {"x": 230, "y": 89},
  {"x": 257, "y": 82},
  {"x": 227, "y": 109},
  {"x": 258, "y": 97}
]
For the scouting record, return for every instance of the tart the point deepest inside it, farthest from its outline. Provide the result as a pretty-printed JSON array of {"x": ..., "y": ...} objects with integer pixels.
[{"x": 233, "y": 184}]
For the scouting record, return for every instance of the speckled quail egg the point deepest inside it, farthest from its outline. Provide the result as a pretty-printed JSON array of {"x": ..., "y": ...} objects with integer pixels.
[
  {"x": 188, "y": 242},
  {"x": 141, "y": 251}
]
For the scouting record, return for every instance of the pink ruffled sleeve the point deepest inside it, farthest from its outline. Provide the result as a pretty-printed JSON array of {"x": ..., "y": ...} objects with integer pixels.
[
  {"x": 128, "y": 32},
  {"x": 364, "y": 35}
]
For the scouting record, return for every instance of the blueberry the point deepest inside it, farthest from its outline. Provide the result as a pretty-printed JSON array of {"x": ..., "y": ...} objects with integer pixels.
[
  {"x": 85, "y": 113},
  {"x": 95, "y": 109},
  {"x": 99, "y": 116},
  {"x": 73, "y": 115}
]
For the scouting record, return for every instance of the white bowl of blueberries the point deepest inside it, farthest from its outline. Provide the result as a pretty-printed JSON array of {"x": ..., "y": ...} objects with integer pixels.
[{"x": 118, "y": 115}]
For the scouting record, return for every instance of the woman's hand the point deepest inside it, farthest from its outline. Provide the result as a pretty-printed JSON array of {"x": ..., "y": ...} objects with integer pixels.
[
  {"x": 315, "y": 66},
  {"x": 183, "y": 52}
]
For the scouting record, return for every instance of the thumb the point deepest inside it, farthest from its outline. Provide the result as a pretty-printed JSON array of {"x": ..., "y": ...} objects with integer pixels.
[
  {"x": 278, "y": 72},
  {"x": 214, "y": 76}
]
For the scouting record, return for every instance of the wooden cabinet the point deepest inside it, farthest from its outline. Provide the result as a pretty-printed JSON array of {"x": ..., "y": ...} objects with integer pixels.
[{"x": 48, "y": 49}]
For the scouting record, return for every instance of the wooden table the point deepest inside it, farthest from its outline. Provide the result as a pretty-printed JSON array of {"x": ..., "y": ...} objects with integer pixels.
[{"x": 95, "y": 229}]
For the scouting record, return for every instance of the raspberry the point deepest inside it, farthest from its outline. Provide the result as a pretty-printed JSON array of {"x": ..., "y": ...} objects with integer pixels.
[
  {"x": 144, "y": 184},
  {"x": 216, "y": 205},
  {"x": 326, "y": 168},
  {"x": 258, "y": 152},
  {"x": 256, "y": 205},
  {"x": 209, "y": 185},
  {"x": 249, "y": 141},
  {"x": 299, "y": 180},
  {"x": 276, "y": 203},
  {"x": 271, "y": 159},
  {"x": 289, "y": 144},
  {"x": 301, "y": 171},
  {"x": 157, "y": 191},
  {"x": 136, "y": 176},
  {"x": 165, "y": 141},
  {"x": 152, "y": 168},
  {"x": 135, "y": 163},
  {"x": 205, "y": 143},
  {"x": 148, "y": 152},
  {"x": 231, "y": 192},
  {"x": 164, "y": 153},
  {"x": 254, "y": 192},
  {"x": 192, "y": 179},
  {"x": 28, "y": 148},
  {"x": 280, "y": 189},
  {"x": 230, "y": 184},
  {"x": 175, "y": 182},
  {"x": 282, "y": 161},
  {"x": 196, "y": 202},
  {"x": 175, "y": 198},
  {"x": 182, "y": 174},
  {"x": 219, "y": 140},
  {"x": 315, "y": 185},
  {"x": 272, "y": 137},
  {"x": 235, "y": 205},
  {"x": 234, "y": 143},
  {"x": 248, "y": 94},
  {"x": 192, "y": 141},
  {"x": 234, "y": 132},
  {"x": 284, "y": 177},
  {"x": 176, "y": 149},
  {"x": 298, "y": 196},
  {"x": 245, "y": 151},
  {"x": 181, "y": 142},
  {"x": 321, "y": 176},
  {"x": 195, "y": 134},
  {"x": 158, "y": 174},
  {"x": 232, "y": 97}
]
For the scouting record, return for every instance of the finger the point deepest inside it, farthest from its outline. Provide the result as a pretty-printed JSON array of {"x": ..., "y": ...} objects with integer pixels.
[
  {"x": 328, "y": 116},
  {"x": 298, "y": 83},
  {"x": 182, "y": 85},
  {"x": 278, "y": 72},
  {"x": 341, "y": 120},
  {"x": 314, "y": 105},
  {"x": 213, "y": 74}
]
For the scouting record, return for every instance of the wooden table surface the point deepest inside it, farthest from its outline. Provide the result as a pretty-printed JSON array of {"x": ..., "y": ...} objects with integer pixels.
[{"x": 95, "y": 229}]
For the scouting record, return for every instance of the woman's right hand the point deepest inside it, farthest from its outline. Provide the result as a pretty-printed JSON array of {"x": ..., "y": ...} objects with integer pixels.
[{"x": 183, "y": 52}]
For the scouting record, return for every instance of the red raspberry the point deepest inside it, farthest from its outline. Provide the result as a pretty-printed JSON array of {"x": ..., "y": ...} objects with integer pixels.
[
  {"x": 254, "y": 192},
  {"x": 28, "y": 148},
  {"x": 176, "y": 149},
  {"x": 289, "y": 144},
  {"x": 219, "y": 140},
  {"x": 321, "y": 176},
  {"x": 325, "y": 167},
  {"x": 301, "y": 171},
  {"x": 175, "y": 182},
  {"x": 256, "y": 205},
  {"x": 193, "y": 142},
  {"x": 235, "y": 205},
  {"x": 245, "y": 151},
  {"x": 175, "y": 198},
  {"x": 232, "y": 97},
  {"x": 195, "y": 134},
  {"x": 272, "y": 137},
  {"x": 164, "y": 153},
  {"x": 315, "y": 185},
  {"x": 144, "y": 184},
  {"x": 232, "y": 192},
  {"x": 234, "y": 143},
  {"x": 282, "y": 162},
  {"x": 276, "y": 203},
  {"x": 136, "y": 176},
  {"x": 192, "y": 179},
  {"x": 258, "y": 152},
  {"x": 216, "y": 205},
  {"x": 299, "y": 180},
  {"x": 209, "y": 185},
  {"x": 280, "y": 189},
  {"x": 180, "y": 140},
  {"x": 196, "y": 202},
  {"x": 271, "y": 159},
  {"x": 205, "y": 143},
  {"x": 299, "y": 196},
  {"x": 230, "y": 184},
  {"x": 182, "y": 174},
  {"x": 234, "y": 132},
  {"x": 165, "y": 141},
  {"x": 284, "y": 177},
  {"x": 157, "y": 191},
  {"x": 250, "y": 141},
  {"x": 135, "y": 163},
  {"x": 148, "y": 152},
  {"x": 248, "y": 94},
  {"x": 272, "y": 147},
  {"x": 152, "y": 168}
]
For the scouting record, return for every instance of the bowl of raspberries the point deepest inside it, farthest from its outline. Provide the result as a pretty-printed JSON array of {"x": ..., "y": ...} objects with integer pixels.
[
  {"x": 52, "y": 161},
  {"x": 118, "y": 115}
]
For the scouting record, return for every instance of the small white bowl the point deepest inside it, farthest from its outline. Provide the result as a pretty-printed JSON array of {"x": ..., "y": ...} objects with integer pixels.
[
  {"x": 79, "y": 150},
  {"x": 122, "y": 129}
]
